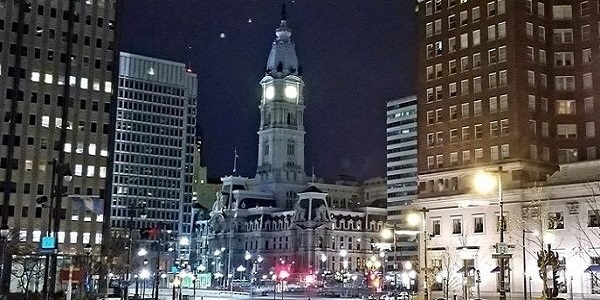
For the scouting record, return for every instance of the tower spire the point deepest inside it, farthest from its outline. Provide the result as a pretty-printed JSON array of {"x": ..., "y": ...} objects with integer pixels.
[{"x": 283, "y": 12}]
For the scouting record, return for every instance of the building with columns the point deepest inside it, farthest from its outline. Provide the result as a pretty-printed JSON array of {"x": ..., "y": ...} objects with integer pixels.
[{"x": 281, "y": 216}]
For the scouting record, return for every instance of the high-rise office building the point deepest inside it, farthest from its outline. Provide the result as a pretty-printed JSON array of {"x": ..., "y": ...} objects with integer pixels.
[
  {"x": 401, "y": 155},
  {"x": 56, "y": 61},
  {"x": 401, "y": 172},
  {"x": 508, "y": 82},
  {"x": 154, "y": 145}
]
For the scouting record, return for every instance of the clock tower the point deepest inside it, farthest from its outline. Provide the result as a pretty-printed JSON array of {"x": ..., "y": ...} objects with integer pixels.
[{"x": 281, "y": 132}]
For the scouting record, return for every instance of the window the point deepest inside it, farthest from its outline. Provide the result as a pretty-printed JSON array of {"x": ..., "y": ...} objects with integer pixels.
[
  {"x": 541, "y": 33},
  {"x": 465, "y": 133},
  {"x": 438, "y": 48},
  {"x": 541, "y": 9},
  {"x": 436, "y": 227},
  {"x": 563, "y": 59},
  {"x": 529, "y": 6},
  {"x": 494, "y": 153},
  {"x": 503, "y": 102},
  {"x": 478, "y": 154},
  {"x": 430, "y": 140},
  {"x": 492, "y": 56},
  {"x": 590, "y": 129},
  {"x": 491, "y": 9},
  {"x": 493, "y": 104},
  {"x": 430, "y": 162},
  {"x": 529, "y": 29},
  {"x": 587, "y": 81},
  {"x": 504, "y": 126},
  {"x": 545, "y": 154},
  {"x": 439, "y": 93},
  {"x": 531, "y": 78},
  {"x": 464, "y": 87},
  {"x": 505, "y": 151},
  {"x": 585, "y": 32},
  {"x": 477, "y": 84},
  {"x": 531, "y": 102},
  {"x": 452, "y": 89},
  {"x": 439, "y": 161},
  {"x": 477, "y": 109},
  {"x": 478, "y": 224},
  {"x": 430, "y": 118},
  {"x": 466, "y": 157},
  {"x": 452, "y": 44},
  {"x": 429, "y": 29},
  {"x": 494, "y": 128},
  {"x": 476, "y": 60},
  {"x": 439, "y": 138},
  {"x": 429, "y": 72},
  {"x": 428, "y": 8},
  {"x": 453, "y": 112},
  {"x": 464, "y": 18},
  {"x": 456, "y": 226},
  {"x": 453, "y": 157},
  {"x": 501, "y": 30},
  {"x": 567, "y": 155},
  {"x": 475, "y": 14},
  {"x": 453, "y": 137},
  {"x": 438, "y": 70},
  {"x": 544, "y": 104},
  {"x": 503, "y": 77},
  {"x": 566, "y": 131},
  {"x": 478, "y": 131},
  {"x": 491, "y": 32},
  {"x": 562, "y": 12},
  {"x": 492, "y": 80},
  {"x": 530, "y": 53},
  {"x": 589, "y": 105},
  {"x": 464, "y": 63},
  {"x": 564, "y": 35},
  {"x": 556, "y": 220},
  {"x": 451, "y": 22},
  {"x": 439, "y": 117},
  {"x": 564, "y": 83},
  {"x": 545, "y": 129},
  {"x": 452, "y": 67},
  {"x": 584, "y": 8},
  {"x": 430, "y": 51},
  {"x": 430, "y": 95},
  {"x": 476, "y": 37},
  {"x": 464, "y": 40},
  {"x": 586, "y": 56},
  {"x": 464, "y": 108}
]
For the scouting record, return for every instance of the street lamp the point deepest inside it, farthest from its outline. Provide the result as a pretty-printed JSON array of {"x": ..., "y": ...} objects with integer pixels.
[
  {"x": 414, "y": 220},
  {"x": 130, "y": 210},
  {"x": 486, "y": 182}
]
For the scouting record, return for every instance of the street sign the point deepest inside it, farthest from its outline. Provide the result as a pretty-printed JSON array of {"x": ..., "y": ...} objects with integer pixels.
[
  {"x": 501, "y": 248},
  {"x": 48, "y": 242}
]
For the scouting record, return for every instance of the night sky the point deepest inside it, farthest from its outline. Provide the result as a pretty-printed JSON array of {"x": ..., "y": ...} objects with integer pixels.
[{"x": 356, "y": 55}]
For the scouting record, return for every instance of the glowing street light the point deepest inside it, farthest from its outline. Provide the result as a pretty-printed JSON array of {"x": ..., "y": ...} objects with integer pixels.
[
  {"x": 142, "y": 252},
  {"x": 387, "y": 233}
]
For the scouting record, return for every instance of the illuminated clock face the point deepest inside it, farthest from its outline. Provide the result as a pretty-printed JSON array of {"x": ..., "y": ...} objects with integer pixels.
[
  {"x": 291, "y": 91},
  {"x": 270, "y": 92}
]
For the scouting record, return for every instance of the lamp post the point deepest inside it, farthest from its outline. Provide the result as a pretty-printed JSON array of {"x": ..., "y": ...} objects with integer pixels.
[
  {"x": 415, "y": 220},
  {"x": 130, "y": 210},
  {"x": 4, "y": 233},
  {"x": 144, "y": 275},
  {"x": 61, "y": 177},
  {"x": 483, "y": 183},
  {"x": 247, "y": 257}
]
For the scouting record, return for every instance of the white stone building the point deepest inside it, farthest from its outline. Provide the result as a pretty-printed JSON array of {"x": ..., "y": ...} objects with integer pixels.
[{"x": 562, "y": 212}]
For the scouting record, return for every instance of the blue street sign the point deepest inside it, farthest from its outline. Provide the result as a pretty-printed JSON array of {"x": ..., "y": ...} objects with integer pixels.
[{"x": 48, "y": 242}]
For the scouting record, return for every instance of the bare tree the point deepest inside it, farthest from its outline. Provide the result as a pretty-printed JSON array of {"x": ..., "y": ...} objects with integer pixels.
[{"x": 27, "y": 267}]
